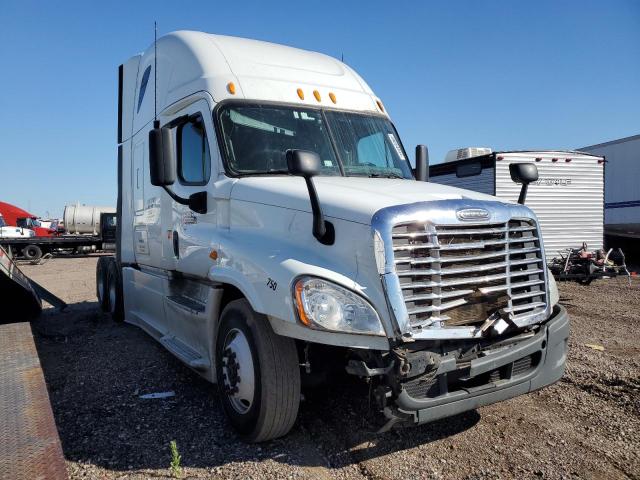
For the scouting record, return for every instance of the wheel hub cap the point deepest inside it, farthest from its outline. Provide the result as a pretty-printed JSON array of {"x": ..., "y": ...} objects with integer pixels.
[{"x": 238, "y": 371}]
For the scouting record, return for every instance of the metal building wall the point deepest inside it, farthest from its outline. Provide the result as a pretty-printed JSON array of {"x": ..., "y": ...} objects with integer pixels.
[
  {"x": 482, "y": 183},
  {"x": 567, "y": 198},
  {"x": 622, "y": 183}
]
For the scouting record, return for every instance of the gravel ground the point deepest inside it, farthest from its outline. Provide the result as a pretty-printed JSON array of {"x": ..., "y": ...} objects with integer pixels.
[{"x": 585, "y": 426}]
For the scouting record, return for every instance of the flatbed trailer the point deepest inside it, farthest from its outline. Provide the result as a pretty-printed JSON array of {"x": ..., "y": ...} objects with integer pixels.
[{"x": 33, "y": 248}]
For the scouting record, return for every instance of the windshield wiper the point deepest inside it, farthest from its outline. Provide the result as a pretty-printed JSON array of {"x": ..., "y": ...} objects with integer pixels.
[{"x": 385, "y": 175}]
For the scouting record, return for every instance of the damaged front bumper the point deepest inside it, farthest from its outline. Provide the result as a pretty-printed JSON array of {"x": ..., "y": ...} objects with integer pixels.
[{"x": 452, "y": 385}]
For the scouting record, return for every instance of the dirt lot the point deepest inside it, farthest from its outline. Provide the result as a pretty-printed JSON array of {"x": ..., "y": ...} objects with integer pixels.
[{"x": 585, "y": 426}]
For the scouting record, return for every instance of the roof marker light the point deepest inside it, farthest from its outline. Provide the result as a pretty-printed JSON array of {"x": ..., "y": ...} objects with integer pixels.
[
  {"x": 500, "y": 158},
  {"x": 316, "y": 94},
  {"x": 538, "y": 159},
  {"x": 333, "y": 97},
  {"x": 567, "y": 160},
  {"x": 554, "y": 160},
  {"x": 300, "y": 94},
  {"x": 601, "y": 160},
  {"x": 380, "y": 106},
  {"x": 232, "y": 88}
]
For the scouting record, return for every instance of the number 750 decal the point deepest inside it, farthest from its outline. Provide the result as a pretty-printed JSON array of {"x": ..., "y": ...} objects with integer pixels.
[{"x": 272, "y": 284}]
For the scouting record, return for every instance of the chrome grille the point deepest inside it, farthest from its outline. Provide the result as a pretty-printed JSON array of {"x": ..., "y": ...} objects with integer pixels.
[{"x": 459, "y": 275}]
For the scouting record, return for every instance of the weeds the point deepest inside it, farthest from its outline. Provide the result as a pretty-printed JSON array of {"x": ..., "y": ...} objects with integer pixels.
[{"x": 176, "y": 458}]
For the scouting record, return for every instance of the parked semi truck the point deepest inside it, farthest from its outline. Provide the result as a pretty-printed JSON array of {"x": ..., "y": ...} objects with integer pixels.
[
  {"x": 270, "y": 227},
  {"x": 17, "y": 217}
]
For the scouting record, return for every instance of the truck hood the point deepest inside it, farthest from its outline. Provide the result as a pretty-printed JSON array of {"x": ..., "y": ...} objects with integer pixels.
[{"x": 353, "y": 199}]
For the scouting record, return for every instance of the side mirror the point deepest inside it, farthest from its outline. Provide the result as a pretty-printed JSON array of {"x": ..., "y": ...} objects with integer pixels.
[
  {"x": 523, "y": 173},
  {"x": 305, "y": 164},
  {"x": 162, "y": 164},
  {"x": 422, "y": 163}
]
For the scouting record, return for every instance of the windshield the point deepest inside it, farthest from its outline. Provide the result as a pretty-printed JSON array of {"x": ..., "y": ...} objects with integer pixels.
[
  {"x": 256, "y": 137},
  {"x": 2, "y": 224}
]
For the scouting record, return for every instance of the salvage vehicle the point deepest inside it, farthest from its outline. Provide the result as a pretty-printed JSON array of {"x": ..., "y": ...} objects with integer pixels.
[{"x": 270, "y": 223}]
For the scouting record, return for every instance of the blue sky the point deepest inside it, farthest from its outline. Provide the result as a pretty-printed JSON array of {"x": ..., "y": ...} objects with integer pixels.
[{"x": 504, "y": 74}]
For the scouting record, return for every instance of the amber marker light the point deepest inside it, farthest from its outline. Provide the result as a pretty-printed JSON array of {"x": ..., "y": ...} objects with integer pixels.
[
  {"x": 316, "y": 94},
  {"x": 301, "y": 313},
  {"x": 333, "y": 97},
  {"x": 380, "y": 106},
  {"x": 300, "y": 94},
  {"x": 232, "y": 88},
  {"x": 213, "y": 255}
]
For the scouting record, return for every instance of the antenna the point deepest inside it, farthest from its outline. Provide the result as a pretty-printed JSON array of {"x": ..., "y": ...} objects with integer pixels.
[{"x": 156, "y": 123}]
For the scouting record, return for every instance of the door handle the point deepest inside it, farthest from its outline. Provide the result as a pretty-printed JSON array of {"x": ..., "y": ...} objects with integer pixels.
[{"x": 176, "y": 244}]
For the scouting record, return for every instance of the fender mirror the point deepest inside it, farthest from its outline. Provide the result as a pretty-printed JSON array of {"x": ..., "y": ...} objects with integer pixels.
[
  {"x": 162, "y": 165},
  {"x": 305, "y": 164},
  {"x": 523, "y": 173}
]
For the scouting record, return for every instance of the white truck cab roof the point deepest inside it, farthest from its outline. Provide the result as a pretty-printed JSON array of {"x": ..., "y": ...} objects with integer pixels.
[{"x": 238, "y": 68}]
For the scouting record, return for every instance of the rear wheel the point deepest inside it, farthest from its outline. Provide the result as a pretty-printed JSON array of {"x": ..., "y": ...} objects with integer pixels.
[
  {"x": 114, "y": 288},
  {"x": 32, "y": 252},
  {"x": 258, "y": 374},
  {"x": 102, "y": 283}
]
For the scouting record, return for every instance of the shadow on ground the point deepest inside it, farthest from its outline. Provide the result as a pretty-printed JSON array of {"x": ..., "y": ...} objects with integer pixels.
[{"x": 97, "y": 369}]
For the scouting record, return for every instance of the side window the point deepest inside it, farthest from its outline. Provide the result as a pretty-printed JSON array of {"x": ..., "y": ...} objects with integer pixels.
[
  {"x": 194, "y": 160},
  {"x": 143, "y": 85}
]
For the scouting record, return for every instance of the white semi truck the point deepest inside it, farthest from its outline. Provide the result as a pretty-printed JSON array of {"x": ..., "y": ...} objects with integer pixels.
[{"x": 270, "y": 226}]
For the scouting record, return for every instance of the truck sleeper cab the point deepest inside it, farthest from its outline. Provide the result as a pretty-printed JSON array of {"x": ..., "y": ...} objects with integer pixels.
[{"x": 269, "y": 212}]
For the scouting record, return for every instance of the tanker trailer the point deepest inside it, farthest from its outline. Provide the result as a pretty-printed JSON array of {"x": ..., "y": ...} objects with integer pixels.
[{"x": 84, "y": 219}]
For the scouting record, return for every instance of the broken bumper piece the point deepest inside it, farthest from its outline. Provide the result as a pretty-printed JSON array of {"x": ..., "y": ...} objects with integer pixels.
[{"x": 526, "y": 366}]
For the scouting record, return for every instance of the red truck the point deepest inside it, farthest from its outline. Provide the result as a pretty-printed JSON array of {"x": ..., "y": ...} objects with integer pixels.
[{"x": 16, "y": 216}]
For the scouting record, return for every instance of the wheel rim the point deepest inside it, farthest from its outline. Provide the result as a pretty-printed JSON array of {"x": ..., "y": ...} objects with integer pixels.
[
  {"x": 112, "y": 297},
  {"x": 238, "y": 371}
]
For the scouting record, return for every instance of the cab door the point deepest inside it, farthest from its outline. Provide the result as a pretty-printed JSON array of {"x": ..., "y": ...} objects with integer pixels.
[{"x": 190, "y": 238}]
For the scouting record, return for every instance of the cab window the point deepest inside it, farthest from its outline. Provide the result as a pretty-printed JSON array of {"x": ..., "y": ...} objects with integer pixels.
[{"x": 194, "y": 160}]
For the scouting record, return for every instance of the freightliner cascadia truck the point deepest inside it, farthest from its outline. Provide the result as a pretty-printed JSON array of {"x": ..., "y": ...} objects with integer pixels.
[{"x": 271, "y": 226}]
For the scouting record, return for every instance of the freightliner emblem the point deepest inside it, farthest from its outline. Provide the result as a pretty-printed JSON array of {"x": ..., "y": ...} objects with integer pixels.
[{"x": 470, "y": 214}]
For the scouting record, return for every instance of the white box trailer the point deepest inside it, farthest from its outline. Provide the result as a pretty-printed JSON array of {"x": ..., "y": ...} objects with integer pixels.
[
  {"x": 621, "y": 186},
  {"x": 568, "y": 197}
]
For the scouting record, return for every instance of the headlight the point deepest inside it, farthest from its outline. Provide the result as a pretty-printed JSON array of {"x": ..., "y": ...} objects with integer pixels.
[{"x": 327, "y": 306}]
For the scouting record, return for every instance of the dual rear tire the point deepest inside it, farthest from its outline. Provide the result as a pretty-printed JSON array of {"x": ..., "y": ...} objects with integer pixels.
[
  {"x": 32, "y": 253},
  {"x": 109, "y": 287}
]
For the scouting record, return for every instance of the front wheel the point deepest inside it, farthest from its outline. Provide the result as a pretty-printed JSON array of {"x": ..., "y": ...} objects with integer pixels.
[{"x": 258, "y": 374}]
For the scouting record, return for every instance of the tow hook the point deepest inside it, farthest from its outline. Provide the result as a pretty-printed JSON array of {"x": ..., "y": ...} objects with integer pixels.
[{"x": 412, "y": 364}]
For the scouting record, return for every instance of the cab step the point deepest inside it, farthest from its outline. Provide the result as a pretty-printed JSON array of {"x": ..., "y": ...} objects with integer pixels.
[
  {"x": 187, "y": 303},
  {"x": 185, "y": 353}
]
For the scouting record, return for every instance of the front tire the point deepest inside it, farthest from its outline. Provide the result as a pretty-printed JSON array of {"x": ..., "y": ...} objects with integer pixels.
[{"x": 258, "y": 374}]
